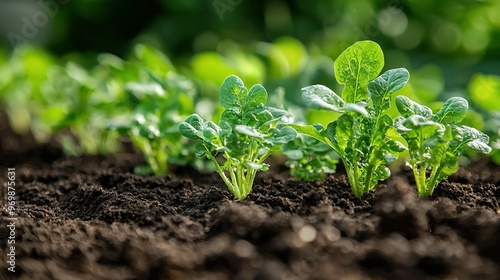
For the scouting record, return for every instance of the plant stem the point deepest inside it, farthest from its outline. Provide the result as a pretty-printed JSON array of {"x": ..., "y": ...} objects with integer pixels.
[
  {"x": 420, "y": 178},
  {"x": 369, "y": 173},
  {"x": 433, "y": 180},
  {"x": 222, "y": 174}
]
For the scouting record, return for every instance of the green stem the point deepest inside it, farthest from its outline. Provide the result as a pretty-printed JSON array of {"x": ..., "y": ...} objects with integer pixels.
[
  {"x": 241, "y": 182},
  {"x": 433, "y": 180},
  {"x": 369, "y": 173},
  {"x": 221, "y": 173},
  {"x": 236, "y": 185},
  {"x": 420, "y": 178}
]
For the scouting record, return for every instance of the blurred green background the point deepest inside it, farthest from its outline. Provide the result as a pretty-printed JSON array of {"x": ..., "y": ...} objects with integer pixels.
[
  {"x": 459, "y": 37},
  {"x": 451, "y": 47}
]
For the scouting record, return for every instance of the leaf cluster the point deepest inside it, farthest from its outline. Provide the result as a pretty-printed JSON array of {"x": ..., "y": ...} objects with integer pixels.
[
  {"x": 308, "y": 158},
  {"x": 247, "y": 133},
  {"x": 360, "y": 135},
  {"x": 435, "y": 140}
]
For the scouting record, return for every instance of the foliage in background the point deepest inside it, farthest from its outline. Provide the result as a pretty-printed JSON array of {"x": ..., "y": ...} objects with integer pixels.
[{"x": 310, "y": 159}]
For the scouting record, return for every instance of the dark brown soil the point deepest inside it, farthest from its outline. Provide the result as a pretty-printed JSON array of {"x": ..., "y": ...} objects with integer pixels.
[{"x": 92, "y": 218}]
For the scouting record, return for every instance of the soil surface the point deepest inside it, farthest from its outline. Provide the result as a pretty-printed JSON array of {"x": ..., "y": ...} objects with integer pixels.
[{"x": 93, "y": 218}]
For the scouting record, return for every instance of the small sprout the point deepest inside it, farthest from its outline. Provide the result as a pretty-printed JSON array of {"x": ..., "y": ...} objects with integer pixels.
[{"x": 248, "y": 132}]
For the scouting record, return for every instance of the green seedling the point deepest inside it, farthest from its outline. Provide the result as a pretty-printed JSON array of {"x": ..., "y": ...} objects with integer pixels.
[
  {"x": 157, "y": 108},
  {"x": 248, "y": 132},
  {"x": 360, "y": 135},
  {"x": 435, "y": 140}
]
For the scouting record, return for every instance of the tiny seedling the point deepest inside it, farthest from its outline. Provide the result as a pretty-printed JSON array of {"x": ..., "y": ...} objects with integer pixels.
[
  {"x": 248, "y": 132},
  {"x": 360, "y": 135},
  {"x": 435, "y": 140}
]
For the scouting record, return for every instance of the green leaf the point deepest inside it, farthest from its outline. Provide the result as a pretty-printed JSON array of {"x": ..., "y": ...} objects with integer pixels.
[
  {"x": 282, "y": 135},
  {"x": 425, "y": 127},
  {"x": 256, "y": 95},
  {"x": 230, "y": 118},
  {"x": 250, "y": 131},
  {"x": 308, "y": 130},
  {"x": 472, "y": 138},
  {"x": 356, "y": 108},
  {"x": 356, "y": 66},
  {"x": 341, "y": 131},
  {"x": 396, "y": 146},
  {"x": 210, "y": 130},
  {"x": 407, "y": 107},
  {"x": 257, "y": 166},
  {"x": 191, "y": 127},
  {"x": 385, "y": 85},
  {"x": 257, "y": 117},
  {"x": 322, "y": 98},
  {"x": 278, "y": 113},
  {"x": 452, "y": 112},
  {"x": 232, "y": 92}
]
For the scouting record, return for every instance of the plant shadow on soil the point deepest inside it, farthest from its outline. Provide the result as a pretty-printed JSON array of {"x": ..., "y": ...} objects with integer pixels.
[{"x": 92, "y": 218}]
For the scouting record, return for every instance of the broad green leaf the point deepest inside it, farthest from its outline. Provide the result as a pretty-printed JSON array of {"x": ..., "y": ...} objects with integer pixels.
[
  {"x": 230, "y": 118},
  {"x": 407, "y": 107},
  {"x": 356, "y": 66},
  {"x": 278, "y": 115},
  {"x": 341, "y": 131},
  {"x": 191, "y": 127},
  {"x": 396, "y": 146},
  {"x": 322, "y": 98},
  {"x": 425, "y": 127},
  {"x": 256, "y": 95},
  {"x": 246, "y": 130},
  {"x": 472, "y": 138},
  {"x": 356, "y": 108},
  {"x": 210, "y": 130},
  {"x": 232, "y": 92},
  {"x": 385, "y": 85},
  {"x": 257, "y": 117},
  {"x": 308, "y": 130},
  {"x": 452, "y": 112},
  {"x": 282, "y": 135}
]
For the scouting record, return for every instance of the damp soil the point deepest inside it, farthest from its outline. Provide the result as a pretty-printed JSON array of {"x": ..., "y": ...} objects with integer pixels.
[{"x": 91, "y": 217}]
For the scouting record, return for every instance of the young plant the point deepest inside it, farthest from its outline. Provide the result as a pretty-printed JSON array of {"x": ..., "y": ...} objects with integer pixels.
[
  {"x": 308, "y": 158},
  {"x": 435, "y": 140},
  {"x": 157, "y": 108},
  {"x": 247, "y": 133},
  {"x": 360, "y": 135}
]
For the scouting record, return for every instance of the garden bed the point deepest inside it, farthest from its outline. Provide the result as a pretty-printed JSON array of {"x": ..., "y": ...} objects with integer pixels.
[{"x": 93, "y": 218}]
